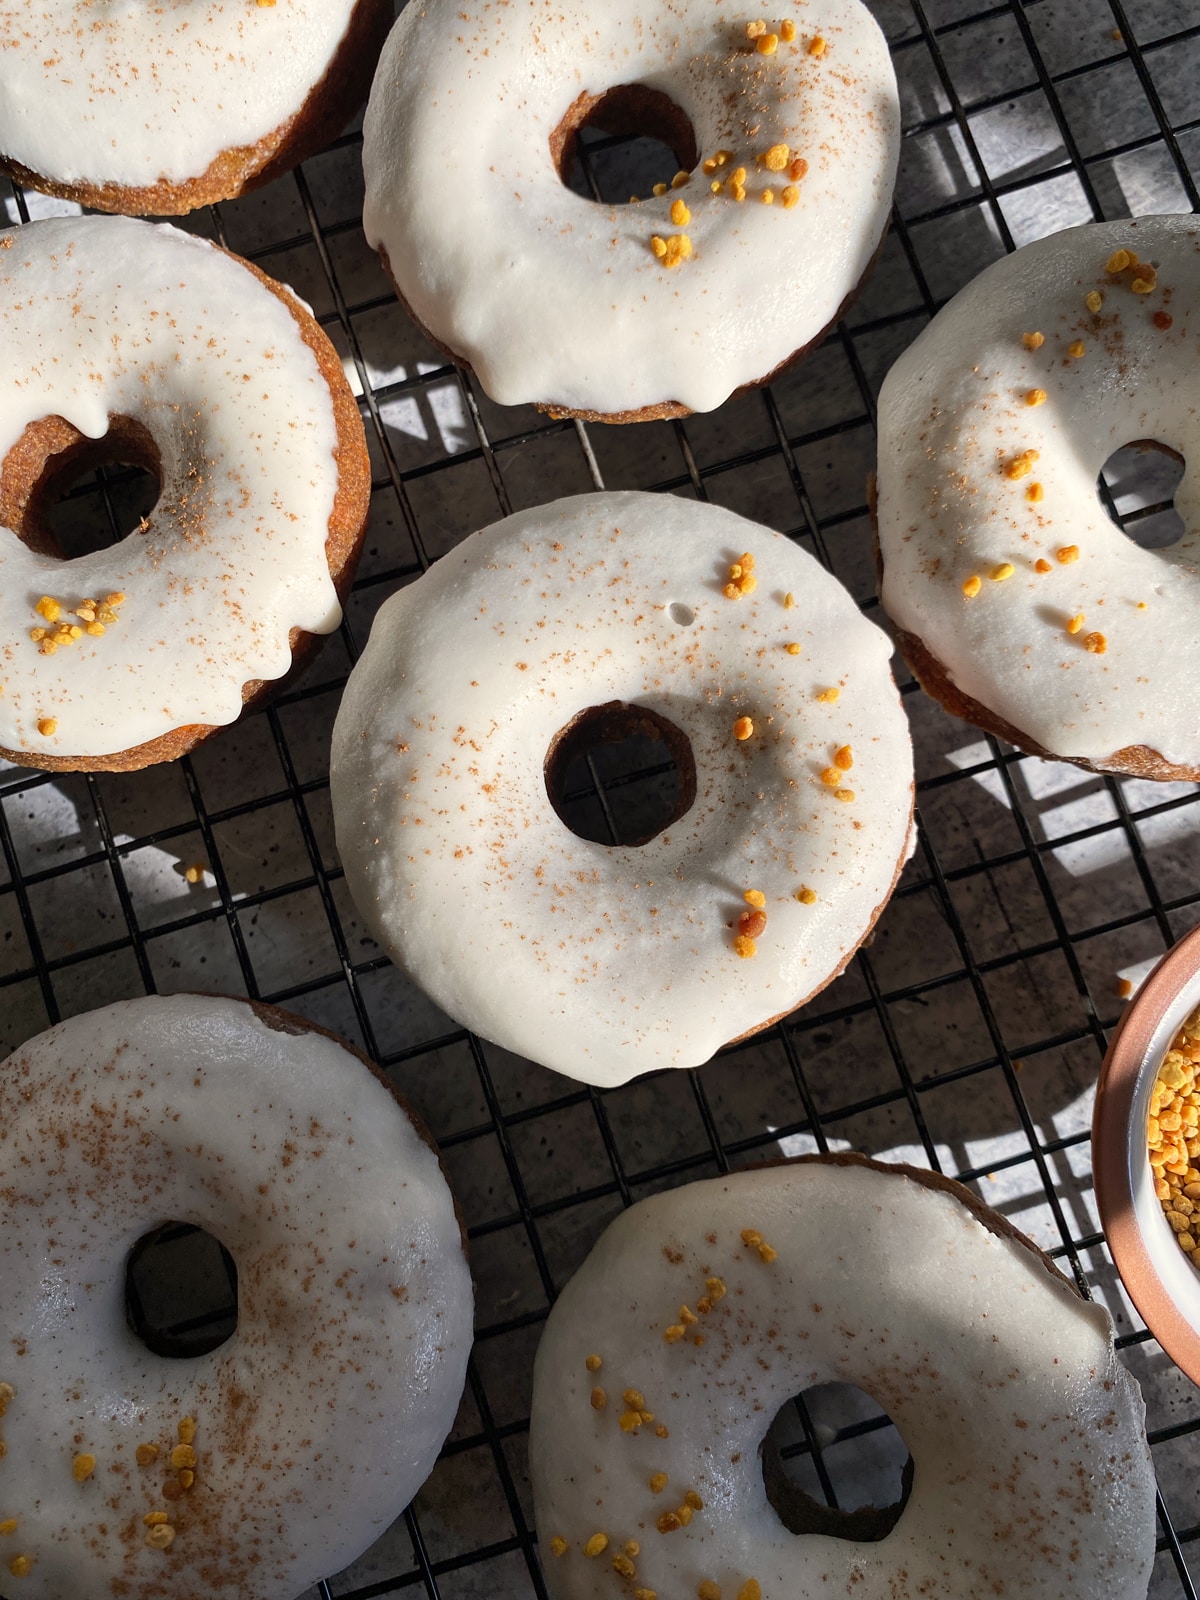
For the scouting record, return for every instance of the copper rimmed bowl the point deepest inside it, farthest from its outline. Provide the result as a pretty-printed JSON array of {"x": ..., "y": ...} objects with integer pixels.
[{"x": 1161, "y": 1281}]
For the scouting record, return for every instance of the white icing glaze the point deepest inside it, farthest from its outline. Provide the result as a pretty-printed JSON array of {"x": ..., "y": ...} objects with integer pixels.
[
  {"x": 952, "y": 413},
  {"x": 103, "y": 316},
  {"x": 322, "y": 1415},
  {"x": 1032, "y": 1474},
  {"x": 131, "y": 91},
  {"x": 553, "y": 298},
  {"x": 543, "y": 941}
]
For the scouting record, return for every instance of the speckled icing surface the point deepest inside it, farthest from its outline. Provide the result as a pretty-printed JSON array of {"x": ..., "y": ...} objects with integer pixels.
[
  {"x": 1032, "y": 1474},
  {"x": 131, "y": 91},
  {"x": 604, "y": 962},
  {"x": 108, "y": 316},
  {"x": 322, "y": 1415},
  {"x": 953, "y": 417},
  {"x": 551, "y": 297}
]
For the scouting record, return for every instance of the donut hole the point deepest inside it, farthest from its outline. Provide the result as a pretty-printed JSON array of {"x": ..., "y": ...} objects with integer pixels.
[
  {"x": 1137, "y": 486},
  {"x": 181, "y": 1291},
  {"x": 613, "y": 145},
  {"x": 618, "y": 774},
  {"x": 65, "y": 495},
  {"x": 834, "y": 1463}
]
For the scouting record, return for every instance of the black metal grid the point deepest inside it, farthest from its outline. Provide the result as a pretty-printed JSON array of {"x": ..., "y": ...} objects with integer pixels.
[{"x": 965, "y": 1037}]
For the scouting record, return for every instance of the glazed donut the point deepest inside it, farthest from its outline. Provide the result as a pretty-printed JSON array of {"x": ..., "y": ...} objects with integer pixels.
[
  {"x": 558, "y": 301},
  {"x": 579, "y": 618},
  {"x": 124, "y": 341},
  {"x": 1021, "y": 606},
  {"x": 282, "y": 1454},
  {"x": 158, "y": 109},
  {"x": 701, "y": 1312}
]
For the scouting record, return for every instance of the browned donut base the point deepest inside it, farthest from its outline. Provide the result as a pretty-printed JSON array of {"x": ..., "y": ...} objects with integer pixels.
[
  {"x": 665, "y": 410},
  {"x": 329, "y": 106},
  {"x": 1133, "y": 760},
  {"x": 38, "y": 457}
]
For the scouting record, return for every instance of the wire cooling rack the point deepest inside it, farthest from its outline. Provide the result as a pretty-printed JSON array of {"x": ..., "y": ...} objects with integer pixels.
[{"x": 965, "y": 1038}]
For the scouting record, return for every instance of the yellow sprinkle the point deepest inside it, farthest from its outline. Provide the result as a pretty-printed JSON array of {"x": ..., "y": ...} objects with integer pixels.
[
  {"x": 155, "y": 1519},
  {"x": 599, "y": 1399},
  {"x": 1141, "y": 605},
  {"x": 692, "y": 1499},
  {"x": 558, "y": 1546},
  {"x": 635, "y": 199},
  {"x": 766, "y": 1252},
  {"x": 685, "y": 1514},
  {"x": 1020, "y": 466},
  {"x": 716, "y": 1288},
  {"x": 787, "y": 30},
  {"x": 115, "y": 599},
  {"x": 831, "y": 777},
  {"x": 1119, "y": 260},
  {"x": 750, "y": 1590},
  {"x": 645, "y": 1594},
  {"x": 1075, "y": 623},
  {"x": 708, "y": 1590},
  {"x": 183, "y": 1456},
  {"x": 145, "y": 1454},
  {"x": 632, "y": 1547},
  {"x": 1004, "y": 570},
  {"x": 630, "y": 1421},
  {"x": 1033, "y": 341},
  {"x": 743, "y": 729},
  {"x": 658, "y": 246},
  {"x": 7, "y": 1393},
  {"x": 767, "y": 44},
  {"x": 95, "y": 629},
  {"x": 685, "y": 246},
  {"x": 680, "y": 178},
  {"x": 20, "y": 1566},
  {"x": 818, "y": 47},
  {"x": 755, "y": 897},
  {"x": 9, "y": 1525},
  {"x": 674, "y": 1333},
  {"x": 662, "y": 1431},
  {"x": 1143, "y": 286},
  {"x": 806, "y": 896},
  {"x": 972, "y": 586},
  {"x": 687, "y": 1315},
  {"x": 1094, "y": 301},
  {"x": 82, "y": 1467},
  {"x": 789, "y": 601},
  {"x": 1035, "y": 397},
  {"x": 659, "y": 190},
  {"x": 791, "y": 197},
  {"x": 623, "y": 1565},
  {"x": 162, "y": 1535},
  {"x": 593, "y": 1363},
  {"x": 755, "y": 30},
  {"x": 846, "y": 795},
  {"x": 186, "y": 1479},
  {"x": 793, "y": 649},
  {"x": 767, "y": 197},
  {"x": 668, "y": 1522},
  {"x": 659, "y": 1482},
  {"x": 47, "y": 726},
  {"x": 1067, "y": 553},
  {"x": 187, "y": 1430},
  {"x": 829, "y": 695},
  {"x": 843, "y": 757},
  {"x": 1076, "y": 349},
  {"x": 736, "y": 189},
  {"x": 680, "y": 213},
  {"x": 596, "y": 1545},
  {"x": 776, "y": 158},
  {"x": 1096, "y": 643},
  {"x": 751, "y": 1237},
  {"x": 716, "y": 186},
  {"x": 745, "y": 948},
  {"x": 1035, "y": 494},
  {"x": 49, "y": 608}
]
